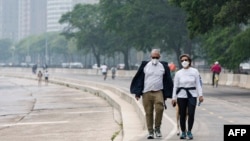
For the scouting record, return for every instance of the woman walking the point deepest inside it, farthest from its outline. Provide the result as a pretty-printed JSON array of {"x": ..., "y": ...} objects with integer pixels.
[
  {"x": 187, "y": 88},
  {"x": 39, "y": 76}
]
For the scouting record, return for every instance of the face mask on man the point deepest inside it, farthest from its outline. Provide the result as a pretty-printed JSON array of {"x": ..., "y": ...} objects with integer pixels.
[
  {"x": 155, "y": 61},
  {"x": 185, "y": 64}
]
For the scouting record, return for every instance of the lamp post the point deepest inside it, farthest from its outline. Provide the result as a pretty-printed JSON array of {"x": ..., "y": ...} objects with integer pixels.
[
  {"x": 28, "y": 58},
  {"x": 46, "y": 49},
  {"x": 13, "y": 49}
]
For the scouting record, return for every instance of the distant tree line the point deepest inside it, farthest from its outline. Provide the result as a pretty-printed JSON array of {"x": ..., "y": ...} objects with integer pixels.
[
  {"x": 34, "y": 47},
  {"x": 212, "y": 30},
  {"x": 207, "y": 30}
]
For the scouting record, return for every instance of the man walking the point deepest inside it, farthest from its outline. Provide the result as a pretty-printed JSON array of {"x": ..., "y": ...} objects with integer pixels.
[
  {"x": 46, "y": 77},
  {"x": 104, "y": 69},
  {"x": 154, "y": 83},
  {"x": 39, "y": 76},
  {"x": 113, "y": 71}
]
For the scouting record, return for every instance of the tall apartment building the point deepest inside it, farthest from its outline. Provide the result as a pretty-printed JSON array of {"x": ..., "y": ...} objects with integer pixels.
[
  {"x": 84, "y": 1},
  {"x": 56, "y": 8},
  {"x": 31, "y": 17},
  {"x": 1, "y": 18},
  {"x": 9, "y": 19},
  {"x": 38, "y": 16},
  {"x": 22, "y": 18}
]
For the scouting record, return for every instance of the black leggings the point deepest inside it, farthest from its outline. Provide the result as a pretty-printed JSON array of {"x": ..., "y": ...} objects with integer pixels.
[{"x": 186, "y": 107}]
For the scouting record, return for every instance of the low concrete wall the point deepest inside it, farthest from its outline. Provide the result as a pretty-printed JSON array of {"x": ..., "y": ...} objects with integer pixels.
[{"x": 228, "y": 79}]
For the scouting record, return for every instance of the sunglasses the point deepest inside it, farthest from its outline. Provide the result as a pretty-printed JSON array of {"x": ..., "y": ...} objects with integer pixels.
[
  {"x": 155, "y": 57},
  {"x": 184, "y": 60}
]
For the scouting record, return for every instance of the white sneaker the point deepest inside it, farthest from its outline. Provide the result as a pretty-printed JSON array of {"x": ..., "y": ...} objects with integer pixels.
[
  {"x": 158, "y": 132},
  {"x": 151, "y": 135}
]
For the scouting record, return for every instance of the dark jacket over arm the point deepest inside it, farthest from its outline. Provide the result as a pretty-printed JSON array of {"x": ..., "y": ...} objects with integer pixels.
[
  {"x": 167, "y": 82},
  {"x": 137, "y": 84}
]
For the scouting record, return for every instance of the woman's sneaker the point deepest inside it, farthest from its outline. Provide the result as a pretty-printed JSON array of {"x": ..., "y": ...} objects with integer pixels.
[
  {"x": 189, "y": 134},
  {"x": 183, "y": 135}
]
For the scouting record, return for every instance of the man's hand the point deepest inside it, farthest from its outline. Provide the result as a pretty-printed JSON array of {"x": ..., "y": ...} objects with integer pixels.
[{"x": 137, "y": 97}]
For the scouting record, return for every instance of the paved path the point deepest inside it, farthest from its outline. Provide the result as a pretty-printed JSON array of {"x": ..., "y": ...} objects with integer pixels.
[
  {"x": 222, "y": 105},
  {"x": 53, "y": 113}
]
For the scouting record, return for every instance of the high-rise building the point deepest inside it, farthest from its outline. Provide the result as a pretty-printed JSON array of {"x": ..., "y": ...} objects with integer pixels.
[
  {"x": 84, "y": 1},
  {"x": 38, "y": 16},
  {"x": 21, "y": 18},
  {"x": 1, "y": 18},
  {"x": 9, "y": 19},
  {"x": 31, "y": 17},
  {"x": 56, "y": 8}
]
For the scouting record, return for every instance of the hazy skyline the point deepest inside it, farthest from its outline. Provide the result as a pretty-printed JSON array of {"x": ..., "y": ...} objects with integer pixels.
[{"x": 21, "y": 18}]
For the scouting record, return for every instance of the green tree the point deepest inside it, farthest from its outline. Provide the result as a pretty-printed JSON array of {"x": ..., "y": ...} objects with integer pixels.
[
  {"x": 221, "y": 22},
  {"x": 239, "y": 50},
  {"x": 5, "y": 47},
  {"x": 23, "y": 48},
  {"x": 216, "y": 44},
  {"x": 120, "y": 25},
  {"x": 203, "y": 15},
  {"x": 146, "y": 24},
  {"x": 86, "y": 26},
  {"x": 57, "y": 46}
]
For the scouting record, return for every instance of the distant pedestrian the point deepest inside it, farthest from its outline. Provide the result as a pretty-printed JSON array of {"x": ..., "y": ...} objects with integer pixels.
[
  {"x": 39, "y": 76},
  {"x": 113, "y": 71},
  {"x": 46, "y": 77},
  {"x": 216, "y": 69},
  {"x": 45, "y": 66},
  {"x": 172, "y": 68},
  {"x": 34, "y": 68},
  {"x": 104, "y": 69}
]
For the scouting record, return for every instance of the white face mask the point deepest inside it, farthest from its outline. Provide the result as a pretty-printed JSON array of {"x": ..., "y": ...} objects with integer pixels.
[
  {"x": 185, "y": 64},
  {"x": 155, "y": 61}
]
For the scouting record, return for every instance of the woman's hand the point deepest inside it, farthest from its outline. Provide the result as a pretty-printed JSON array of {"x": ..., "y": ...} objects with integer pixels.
[
  {"x": 174, "y": 101},
  {"x": 201, "y": 99}
]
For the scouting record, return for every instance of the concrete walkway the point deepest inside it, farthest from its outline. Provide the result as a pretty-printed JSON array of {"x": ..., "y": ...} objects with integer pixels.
[
  {"x": 54, "y": 113},
  {"x": 210, "y": 117}
]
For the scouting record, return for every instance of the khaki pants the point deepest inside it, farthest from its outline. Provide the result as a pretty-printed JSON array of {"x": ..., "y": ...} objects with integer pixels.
[{"x": 153, "y": 104}]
